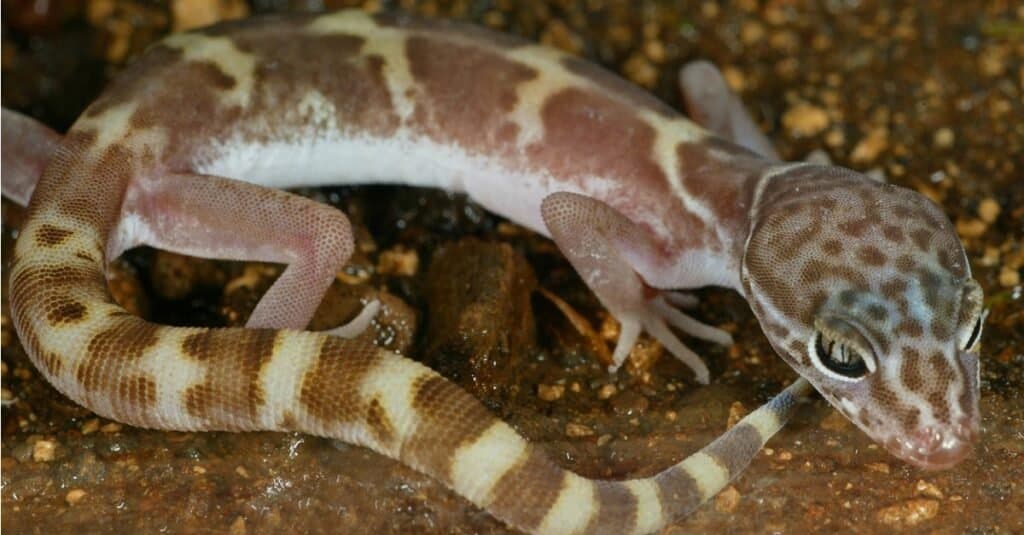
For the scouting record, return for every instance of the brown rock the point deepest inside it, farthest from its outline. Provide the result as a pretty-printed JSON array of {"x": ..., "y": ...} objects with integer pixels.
[{"x": 478, "y": 303}]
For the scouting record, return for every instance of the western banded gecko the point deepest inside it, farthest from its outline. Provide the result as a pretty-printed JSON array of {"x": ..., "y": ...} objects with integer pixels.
[{"x": 862, "y": 287}]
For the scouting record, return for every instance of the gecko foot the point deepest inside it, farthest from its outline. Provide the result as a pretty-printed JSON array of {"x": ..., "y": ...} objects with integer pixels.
[
  {"x": 656, "y": 318},
  {"x": 359, "y": 324},
  {"x": 680, "y": 299}
]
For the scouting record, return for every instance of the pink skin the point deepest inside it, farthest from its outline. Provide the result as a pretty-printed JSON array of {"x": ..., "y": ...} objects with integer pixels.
[
  {"x": 215, "y": 217},
  {"x": 27, "y": 147},
  {"x": 597, "y": 240},
  {"x": 218, "y": 217},
  {"x": 711, "y": 104}
]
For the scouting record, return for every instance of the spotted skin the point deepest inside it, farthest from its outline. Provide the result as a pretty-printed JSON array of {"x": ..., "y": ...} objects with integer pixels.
[
  {"x": 861, "y": 287},
  {"x": 902, "y": 298}
]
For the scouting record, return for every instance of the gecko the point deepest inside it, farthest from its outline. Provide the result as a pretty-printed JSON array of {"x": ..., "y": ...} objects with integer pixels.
[{"x": 862, "y": 287}]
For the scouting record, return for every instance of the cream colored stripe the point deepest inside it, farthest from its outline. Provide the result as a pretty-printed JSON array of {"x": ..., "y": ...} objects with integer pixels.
[
  {"x": 667, "y": 138},
  {"x": 282, "y": 376},
  {"x": 392, "y": 383},
  {"x": 710, "y": 476},
  {"x": 174, "y": 374},
  {"x": 222, "y": 52},
  {"x": 765, "y": 421},
  {"x": 387, "y": 43},
  {"x": 478, "y": 466},
  {"x": 110, "y": 126},
  {"x": 649, "y": 514},
  {"x": 572, "y": 510}
]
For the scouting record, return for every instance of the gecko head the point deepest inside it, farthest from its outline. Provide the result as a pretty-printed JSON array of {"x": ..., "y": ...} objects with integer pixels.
[{"x": 864, "y": 288}]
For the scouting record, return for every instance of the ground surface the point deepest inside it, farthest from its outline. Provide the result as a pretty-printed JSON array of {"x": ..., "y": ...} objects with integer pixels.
[{"x": 930, "y": 94}]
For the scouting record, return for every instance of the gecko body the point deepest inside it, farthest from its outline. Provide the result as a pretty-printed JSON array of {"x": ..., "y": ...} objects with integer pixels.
[{"x": 862, "y": 287}]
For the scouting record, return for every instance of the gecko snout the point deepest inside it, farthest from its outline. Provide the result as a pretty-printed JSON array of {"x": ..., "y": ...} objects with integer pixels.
[{"x": 936, "y": 449}]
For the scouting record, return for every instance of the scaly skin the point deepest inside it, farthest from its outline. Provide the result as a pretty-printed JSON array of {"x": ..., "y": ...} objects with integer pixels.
[{"x": 862, "y": 287}]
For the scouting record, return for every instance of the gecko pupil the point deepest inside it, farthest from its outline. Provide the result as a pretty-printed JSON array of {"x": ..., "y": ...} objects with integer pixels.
[
  {"x": 839, "y": 358},
  {"x": 974, "y": 335}
]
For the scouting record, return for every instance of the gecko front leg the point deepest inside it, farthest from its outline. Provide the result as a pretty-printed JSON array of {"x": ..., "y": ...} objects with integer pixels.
[
  {"x": 216, "y": 217},
  {"x": 596, "y": 239}
]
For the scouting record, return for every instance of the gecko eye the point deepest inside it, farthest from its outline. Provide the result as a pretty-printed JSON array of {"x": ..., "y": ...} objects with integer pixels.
[
  {"x": 836, "y": 357},
  {"x": 972, "y": 339}
]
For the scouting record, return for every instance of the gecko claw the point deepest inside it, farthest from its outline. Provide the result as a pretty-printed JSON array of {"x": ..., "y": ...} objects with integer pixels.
[
  {"x": 359, "y": 324},
  {"x": 653, "y": 320}
]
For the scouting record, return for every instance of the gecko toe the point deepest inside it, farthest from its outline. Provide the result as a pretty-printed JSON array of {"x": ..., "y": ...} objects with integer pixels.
[{"x": 359, "y": 324}]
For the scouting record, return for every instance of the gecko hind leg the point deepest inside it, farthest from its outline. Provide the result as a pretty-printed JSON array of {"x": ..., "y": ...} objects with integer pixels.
[
  {"x": 597, "y": 240},
  {"x": 27, "y": 147},
  {"x": 710, "y": 103},
  {"x": 222, "y": 218}
]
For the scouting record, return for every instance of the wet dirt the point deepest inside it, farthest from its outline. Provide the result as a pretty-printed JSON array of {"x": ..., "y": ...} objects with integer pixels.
[{"x": 928, "y": 94}]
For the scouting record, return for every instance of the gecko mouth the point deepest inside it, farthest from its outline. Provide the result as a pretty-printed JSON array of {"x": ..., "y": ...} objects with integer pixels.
[{"x": 933, "y": 449}]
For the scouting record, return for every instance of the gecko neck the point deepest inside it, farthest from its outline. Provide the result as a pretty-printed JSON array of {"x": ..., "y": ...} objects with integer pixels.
[{"x": 725, "y": 180}]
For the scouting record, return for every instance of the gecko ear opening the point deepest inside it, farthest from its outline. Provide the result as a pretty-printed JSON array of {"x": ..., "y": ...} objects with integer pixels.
[{"x": 839, "y": 351}]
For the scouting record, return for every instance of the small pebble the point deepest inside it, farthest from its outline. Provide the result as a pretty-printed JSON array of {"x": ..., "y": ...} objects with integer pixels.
[
  {"x": 44, "y": 451},
  {"x": 550, "y": 392},
  {"x": 991, "y": 256},
  {"x": 709, "y": 10},
  {"x": 928, "y": 490},
  {"x": 805, "y": 120},
  {"x": 1009, "y": 277},
  {"x": 882, "y": 468},
  {"x": 727, "y": 500},
  {"x": 751, "y": 32},
  {"x": 190, "y": 14},
  {"x": 640, "y": 70},
  {"x": 576, "y": 430},
  {"x": 398, "y": 261},
  {"x": 112, "y": 427},
  {"x": 992, "y": 61},
  {"x": 90, "y": 426},
  {"x": 606, "y": 391},
  {"x": 559, "y": 35},
  {"x": 655, "y": 51},
  {"x": 943, "y": 138},
  {"x": 74, "y": 496},
  {"x": 785, "y": 456},
  {"x": 734, "y": 78},
  {"x": 736, "y": 413},
  {"x": 835, "y": 138},
  {"x": 909, "y": 513},
  {"x": 871, "y": 146},
  {"x": 970, "y": 228},
  {"x": 988, "y": 210}
]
